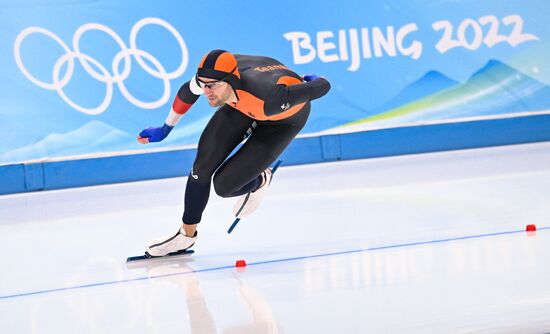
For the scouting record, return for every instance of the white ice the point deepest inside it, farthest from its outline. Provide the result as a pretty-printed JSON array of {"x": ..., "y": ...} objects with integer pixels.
[{"x": 408, "y": 244}]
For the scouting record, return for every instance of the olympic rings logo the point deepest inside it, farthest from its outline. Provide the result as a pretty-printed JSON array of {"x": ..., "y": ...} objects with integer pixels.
[{"x": 118, "y": 77}]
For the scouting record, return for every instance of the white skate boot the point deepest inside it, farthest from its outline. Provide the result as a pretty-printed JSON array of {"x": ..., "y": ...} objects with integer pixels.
[
  {"x": 171, "y": 244},
  {"x": 250, "y": 202}
]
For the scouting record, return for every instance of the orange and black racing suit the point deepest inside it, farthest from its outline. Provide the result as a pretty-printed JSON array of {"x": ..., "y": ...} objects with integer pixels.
[{"x": 272, "y": 100}]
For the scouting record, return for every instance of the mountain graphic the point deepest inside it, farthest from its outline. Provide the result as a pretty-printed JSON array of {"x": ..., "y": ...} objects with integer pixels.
[
  {"x": 429, "y": 83},
  {"x": 98, "y": 137},
  {"x": 93, "y": 137},
  {"x": 495, "y": 89},
  {"x": 187, "y": 133}
]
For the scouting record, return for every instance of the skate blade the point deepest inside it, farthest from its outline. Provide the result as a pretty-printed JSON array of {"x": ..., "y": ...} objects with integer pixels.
[
  {"x": 238, "y": 217},
  {"x": 147, "y": 256}
]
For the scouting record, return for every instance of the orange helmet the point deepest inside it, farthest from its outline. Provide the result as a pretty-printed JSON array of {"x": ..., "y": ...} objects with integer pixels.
[{"x": 220, "y": 65}]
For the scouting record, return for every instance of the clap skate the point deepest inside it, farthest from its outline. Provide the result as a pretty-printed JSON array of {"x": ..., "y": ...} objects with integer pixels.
[
  {"x": 176, "y": 244},
  {"x": 250, "y": 202}
]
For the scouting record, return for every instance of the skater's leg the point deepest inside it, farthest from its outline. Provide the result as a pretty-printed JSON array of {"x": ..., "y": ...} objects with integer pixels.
[
  {"x": 222, "y": 134},
  {"x": 246, "y": 173},
  {"x": 242, "y": 173}
]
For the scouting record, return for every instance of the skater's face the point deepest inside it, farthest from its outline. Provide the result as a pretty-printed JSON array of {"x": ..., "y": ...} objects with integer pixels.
[{"x": 217, "y": 92}]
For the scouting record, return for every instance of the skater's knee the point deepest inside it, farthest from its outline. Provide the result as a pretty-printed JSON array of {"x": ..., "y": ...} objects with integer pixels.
[
  {"x": 201, "y": 173},
  {"x": 223, "y": 189}
]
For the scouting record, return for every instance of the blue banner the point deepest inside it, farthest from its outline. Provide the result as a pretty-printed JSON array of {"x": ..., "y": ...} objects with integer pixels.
[{"x": 85, "y": 77}]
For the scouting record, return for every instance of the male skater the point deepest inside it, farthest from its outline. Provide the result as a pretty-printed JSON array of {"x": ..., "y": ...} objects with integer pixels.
[{"x": 255, "y": 95}]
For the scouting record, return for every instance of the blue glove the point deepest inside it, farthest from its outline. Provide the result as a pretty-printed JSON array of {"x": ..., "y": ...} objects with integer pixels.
[
  {"x": 310, "y": 77},
  {"x": 156, "y": 134}
]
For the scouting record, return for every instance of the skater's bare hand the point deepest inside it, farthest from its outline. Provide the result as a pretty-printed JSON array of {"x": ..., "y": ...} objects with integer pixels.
[{"x": 142, "y": 140}]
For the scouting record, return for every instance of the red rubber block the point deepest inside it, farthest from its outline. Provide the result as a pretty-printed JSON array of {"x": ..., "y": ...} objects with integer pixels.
[{"x": 530, "y": 228}]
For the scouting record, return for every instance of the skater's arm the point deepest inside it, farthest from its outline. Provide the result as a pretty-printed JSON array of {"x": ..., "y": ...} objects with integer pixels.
[
  {"x": 186, "y": 97},
  {"x": 291, "y": 95}
]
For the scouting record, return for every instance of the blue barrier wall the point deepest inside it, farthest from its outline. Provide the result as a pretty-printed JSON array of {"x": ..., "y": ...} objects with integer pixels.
[
  {"x": 78, "y": 79},
  {"x": 368, "y": 144}
]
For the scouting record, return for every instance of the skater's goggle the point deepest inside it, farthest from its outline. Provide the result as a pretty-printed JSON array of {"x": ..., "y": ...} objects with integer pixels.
[
  {"x": 210, "y": 84},
  {"x": 214, "y": 84}
]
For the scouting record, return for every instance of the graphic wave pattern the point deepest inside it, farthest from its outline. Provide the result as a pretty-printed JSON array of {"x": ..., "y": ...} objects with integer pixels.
[{"x": 496, "y": 89}]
